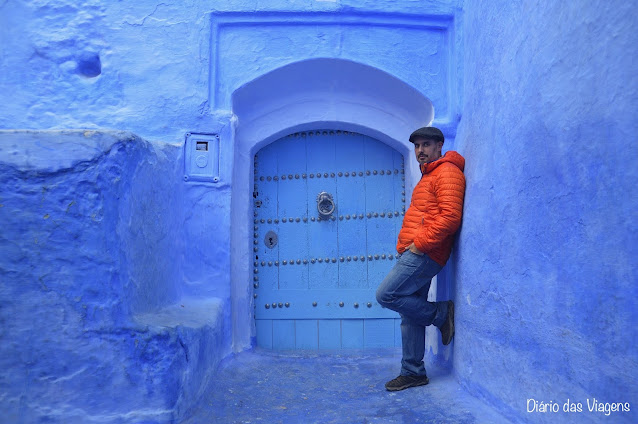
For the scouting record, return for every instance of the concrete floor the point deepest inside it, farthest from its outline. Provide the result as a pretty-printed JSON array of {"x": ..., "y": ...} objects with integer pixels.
[{"x": 308, "y": 387}]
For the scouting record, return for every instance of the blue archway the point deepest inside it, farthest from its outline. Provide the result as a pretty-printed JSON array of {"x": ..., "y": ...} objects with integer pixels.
[{"x": 315, "y": 93}]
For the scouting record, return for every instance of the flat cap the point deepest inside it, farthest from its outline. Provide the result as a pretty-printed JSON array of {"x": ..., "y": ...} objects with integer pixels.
[{"x": 428, "y": 133}]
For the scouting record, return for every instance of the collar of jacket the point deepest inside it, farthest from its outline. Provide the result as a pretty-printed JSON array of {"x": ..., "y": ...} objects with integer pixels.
[{"x": 450, "y": 156}]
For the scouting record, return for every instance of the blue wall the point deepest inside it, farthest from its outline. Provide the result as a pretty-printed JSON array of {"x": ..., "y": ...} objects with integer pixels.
[
  {"x": 99, "y": 321},
  {"x": 545, "y": 269},
  {"x": 169, "y": 68},
  {"x": 134, "y": 266},
  {"x": 109, "y": 257}
]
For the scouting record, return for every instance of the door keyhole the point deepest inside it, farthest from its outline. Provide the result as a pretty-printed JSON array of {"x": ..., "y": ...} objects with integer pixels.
[{"x": 271, "y": 239}]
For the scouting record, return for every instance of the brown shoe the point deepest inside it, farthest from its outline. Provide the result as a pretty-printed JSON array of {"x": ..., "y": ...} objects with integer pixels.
[
  {"x": 406, "y": 381},
  {"x": 447, "y": 329}
]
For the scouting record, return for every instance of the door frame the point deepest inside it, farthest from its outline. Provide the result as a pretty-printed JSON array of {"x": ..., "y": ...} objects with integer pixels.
[{"x": 260, "y": 119}]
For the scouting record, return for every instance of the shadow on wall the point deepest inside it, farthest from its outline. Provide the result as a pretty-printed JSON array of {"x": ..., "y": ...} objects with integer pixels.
[{"x": 95, "y": 321}]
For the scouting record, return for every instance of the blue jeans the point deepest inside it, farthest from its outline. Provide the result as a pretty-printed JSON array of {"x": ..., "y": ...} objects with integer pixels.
[{"x": 405, "y": 290}]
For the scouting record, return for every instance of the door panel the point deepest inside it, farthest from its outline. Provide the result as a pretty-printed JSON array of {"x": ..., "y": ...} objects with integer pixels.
[
  {"x": 352, "y": 334},
  {"x": 315, "y": 276},
  {"x": 328, "y": 331},
  {"x": 283, "y": 334},
  {"x": 306, "y": 334},
  {"x": 378, "y": 332},
  {"x": 264, "y": 333}
]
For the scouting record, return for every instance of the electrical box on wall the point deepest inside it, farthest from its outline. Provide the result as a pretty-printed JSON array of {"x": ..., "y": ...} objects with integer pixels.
[{"x": 201, "y": 157}]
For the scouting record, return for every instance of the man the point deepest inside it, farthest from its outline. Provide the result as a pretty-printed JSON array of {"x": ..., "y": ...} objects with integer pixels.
[{"x": 425, "y": 242}]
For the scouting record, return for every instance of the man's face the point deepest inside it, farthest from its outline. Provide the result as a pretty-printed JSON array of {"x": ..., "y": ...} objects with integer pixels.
[{"x": 427, "y": 150}]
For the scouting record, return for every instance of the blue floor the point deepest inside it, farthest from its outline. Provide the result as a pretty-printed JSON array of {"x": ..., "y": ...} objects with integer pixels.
[{"x": 306, "y": 387}]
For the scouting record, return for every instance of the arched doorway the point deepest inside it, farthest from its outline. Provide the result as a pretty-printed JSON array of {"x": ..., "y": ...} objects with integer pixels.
[
  {"x": 328, "y": 205},
  {"x": 304, "y": 96}
]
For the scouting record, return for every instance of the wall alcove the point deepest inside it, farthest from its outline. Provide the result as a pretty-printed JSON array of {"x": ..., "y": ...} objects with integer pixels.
[{"x": 311, "y": 94}]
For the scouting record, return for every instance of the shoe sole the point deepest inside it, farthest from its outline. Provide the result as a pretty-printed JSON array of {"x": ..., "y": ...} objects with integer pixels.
[
  {"x": 451, "y": 319},
  {"x": 407, "y": 386}
]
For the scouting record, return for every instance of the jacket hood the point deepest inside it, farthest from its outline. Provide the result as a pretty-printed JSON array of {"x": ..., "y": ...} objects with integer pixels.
[{"x": 450, "y": 156}]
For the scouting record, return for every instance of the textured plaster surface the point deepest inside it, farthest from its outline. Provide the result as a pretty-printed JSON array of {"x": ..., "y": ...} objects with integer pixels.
[
  {"x": 150, "y": 67},
  {"x": 332, "y": 388},
  {"x": 120, "y": 284},
  {"x": 161, "y": 70},
  {"x": 546, "y": 263},
  {"x": 278, "y": 40},
  {"x": 97, "y": 325}
]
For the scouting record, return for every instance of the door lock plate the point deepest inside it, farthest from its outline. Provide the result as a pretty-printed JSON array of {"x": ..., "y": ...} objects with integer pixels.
[{"x": 271, "y": 239}]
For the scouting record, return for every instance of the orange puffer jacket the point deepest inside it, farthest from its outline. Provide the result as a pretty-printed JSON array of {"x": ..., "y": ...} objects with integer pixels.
[{"x": 436, "y": 208}]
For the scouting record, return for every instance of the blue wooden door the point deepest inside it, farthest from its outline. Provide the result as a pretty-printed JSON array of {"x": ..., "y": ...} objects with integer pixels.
[{"x": 316, "y": 273}]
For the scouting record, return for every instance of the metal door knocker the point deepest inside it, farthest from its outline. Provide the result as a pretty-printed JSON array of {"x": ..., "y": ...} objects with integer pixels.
[{"x": 325, "y": 204}]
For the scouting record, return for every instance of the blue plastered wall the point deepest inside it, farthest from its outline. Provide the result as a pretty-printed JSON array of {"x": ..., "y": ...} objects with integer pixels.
[
  {"x": 109, "y": 257},
  {"x": 114, "y": 272},
  {"x": 123, "y": 284},
  {"x": 545, "y": 267},
  {"x": 97, "y": 320}
]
